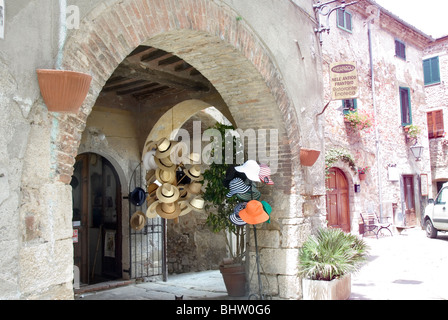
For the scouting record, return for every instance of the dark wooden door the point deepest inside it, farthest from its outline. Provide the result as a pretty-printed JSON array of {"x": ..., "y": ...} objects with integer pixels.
[{"x": 338, "y": 211}]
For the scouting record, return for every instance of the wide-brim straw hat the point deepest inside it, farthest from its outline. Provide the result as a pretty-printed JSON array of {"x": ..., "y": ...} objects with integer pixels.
[
  {"x": 265, "y": 174},
  {"x": 167, "y": 193},
  {"x": 184, "y": 208},
  {"x": 196, "y": 204},
  {"x": 164, "y": 148},
  {"x": 168, "y": 210},
  {"x": 254, "y": 213},
  {"x": 151, "y": 211},
  {"x": 150, "y": 176},
  {"x": 251, "y": 169},
  {"x": 137, "y": 221},
  {"x": 165, "y": 164},
  {"x": 165, "y": 176},
  {"x": 194, "y": 188},
  {"x": 194, "y": 173}
]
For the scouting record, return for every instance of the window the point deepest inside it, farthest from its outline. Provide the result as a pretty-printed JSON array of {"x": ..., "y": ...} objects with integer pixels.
[
  {"x": 435, "y": 124},
  {"x": 344, "y": 20},
  {"x": 431, "y": 70},
  {"x": 349, "y": 105},
  {"x": 405, "y": 104},
  {"x": 442, "y": 197},
  {"x": 400, "y": 49}
]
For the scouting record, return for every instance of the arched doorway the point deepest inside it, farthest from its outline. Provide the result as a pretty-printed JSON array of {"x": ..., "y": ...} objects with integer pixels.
[
  {"x": 338, "y": 209},
  {"x": 96, "y": 220}
]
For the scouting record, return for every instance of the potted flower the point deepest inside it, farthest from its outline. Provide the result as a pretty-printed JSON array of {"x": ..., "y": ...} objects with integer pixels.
[
  {"x": 362, "y": 172},
  {"x": 444, "y": 140},
  {"x": 326, "y": 262},
  {"x": 359, "y": 120},
  {"x": 219, "y": 208},
  {"x": 412, "y": 131}
]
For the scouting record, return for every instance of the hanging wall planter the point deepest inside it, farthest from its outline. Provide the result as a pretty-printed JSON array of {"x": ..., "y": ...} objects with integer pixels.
[
  {"x": 308, "y": 156},
  {"x": 63, "y": 91}
]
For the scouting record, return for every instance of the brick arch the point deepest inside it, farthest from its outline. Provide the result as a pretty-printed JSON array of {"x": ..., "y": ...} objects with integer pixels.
[{"x": 231, "y": 57}]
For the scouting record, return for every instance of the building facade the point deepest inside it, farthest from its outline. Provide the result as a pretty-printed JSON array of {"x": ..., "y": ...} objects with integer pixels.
[{"x": 66, "y": 178}]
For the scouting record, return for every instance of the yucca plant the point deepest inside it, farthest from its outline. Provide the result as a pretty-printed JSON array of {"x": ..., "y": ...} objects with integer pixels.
[{"x": 331, "y": 254}]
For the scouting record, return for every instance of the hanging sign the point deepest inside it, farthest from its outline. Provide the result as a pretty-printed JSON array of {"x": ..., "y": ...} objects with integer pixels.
[{"x": 343, "y": 80}]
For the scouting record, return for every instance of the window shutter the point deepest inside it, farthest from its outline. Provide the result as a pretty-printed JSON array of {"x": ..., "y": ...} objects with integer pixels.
[
  {"x": 431, "y": 70},
  {"x": 438, "y": 123},
  {"x": 430, "y": 121}
]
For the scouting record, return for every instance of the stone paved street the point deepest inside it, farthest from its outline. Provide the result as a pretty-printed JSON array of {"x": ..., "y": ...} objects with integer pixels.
[{"x": 403, "y": 267}]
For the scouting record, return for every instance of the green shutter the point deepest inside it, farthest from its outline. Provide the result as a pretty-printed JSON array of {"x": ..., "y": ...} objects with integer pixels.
[{"x": 431, "y": 70}]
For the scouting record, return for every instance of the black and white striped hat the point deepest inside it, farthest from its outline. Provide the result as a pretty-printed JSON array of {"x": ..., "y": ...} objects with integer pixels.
[{"x": 236, "y": 186}]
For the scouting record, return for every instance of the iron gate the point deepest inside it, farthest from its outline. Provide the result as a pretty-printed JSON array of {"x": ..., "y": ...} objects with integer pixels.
[{"x": 147, "y": 249}]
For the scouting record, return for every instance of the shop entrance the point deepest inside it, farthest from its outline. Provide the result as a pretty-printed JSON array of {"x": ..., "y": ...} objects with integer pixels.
[
  {"x": 338, "y": 211},
  {"x": 96, "y": 219}
]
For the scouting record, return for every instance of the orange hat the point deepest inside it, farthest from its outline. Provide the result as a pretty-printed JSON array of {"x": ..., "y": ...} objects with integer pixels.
[{"x": 254, "y": 213}]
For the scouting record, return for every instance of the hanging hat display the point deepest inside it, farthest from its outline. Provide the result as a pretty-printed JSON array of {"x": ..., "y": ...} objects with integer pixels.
[
  {"x": 254, "y": 213},
  {"x": 137, "y": 196},
  {"x": 194, "y": 188},
  {"x": 236, "y": 186},
  {"x": 137, "y": 221},
  {"x": 168, "y": 210},
  {"x": 167, "y": 193},
  {"x": 184, "y": 208},
  {"x": 164, "y": 147},
  {"x": 265, "y": 174},
  {"x": 165, "y": 164},
  {"x": 251, "y": 169},
  {"x": 194, "y": 173}
]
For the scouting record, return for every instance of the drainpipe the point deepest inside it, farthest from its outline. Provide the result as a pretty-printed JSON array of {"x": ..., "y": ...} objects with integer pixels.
[
  {"x": 377, "y": 140},
  {"x": 62, "y": 31}
]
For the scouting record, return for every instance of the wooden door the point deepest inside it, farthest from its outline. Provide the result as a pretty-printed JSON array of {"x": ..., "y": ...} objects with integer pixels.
[
  {"x": 338, "y": 211},
  {"x": 409, "y": 201}
]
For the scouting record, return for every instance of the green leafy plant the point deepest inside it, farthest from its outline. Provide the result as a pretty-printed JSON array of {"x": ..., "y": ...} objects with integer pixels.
[
  {"x": 363, "y": 169},
  {"x": 218, "y": 206},
  {"x": 333, "y": 155},
  {"x": 331, "y": 254},
  {"x": 412, "y": 130}
]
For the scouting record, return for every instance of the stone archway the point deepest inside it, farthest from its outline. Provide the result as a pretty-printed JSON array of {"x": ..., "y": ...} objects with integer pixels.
[{"x": 227, "y": 52}]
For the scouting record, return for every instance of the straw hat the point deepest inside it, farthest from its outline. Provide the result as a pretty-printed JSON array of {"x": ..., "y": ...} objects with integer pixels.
[
  {"x": 149, "y": 161},
  {"x": 165, "y": 163},
  {"x": 151, "y": 211},
  {"x": 196, "y": 204},
  {"x": 168, "y": 210},
  {"x": 149, "y": 145},
  {"x": 194, "y": 187},
  {"x": 137, "y": 221},
  {"x": 167, "y": 193},
  {"x": 150, "y": 176},
  {"x": 166, "y": 176},
  {"x": 194, "y": 173},
  {"x": 251, "y": 169},
  {"x": 184, "y": 208},
  {"x": 164, "y": 147},
  {"x": 265, "y": 174},
  {"x": 254, "y": 213}
]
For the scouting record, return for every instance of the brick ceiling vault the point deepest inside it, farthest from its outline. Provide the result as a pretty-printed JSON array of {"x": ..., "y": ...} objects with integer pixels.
[{"x": 206, "y": 36}]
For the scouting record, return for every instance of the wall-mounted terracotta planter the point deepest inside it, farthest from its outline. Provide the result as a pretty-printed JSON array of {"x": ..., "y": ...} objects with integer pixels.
[
  {"x": 63, "y": 91},
  {"x": 362, "y": 176},
  {"x": 308, "y": 156}
]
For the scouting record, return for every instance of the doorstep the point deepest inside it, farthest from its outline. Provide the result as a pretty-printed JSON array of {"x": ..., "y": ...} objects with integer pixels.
[{"x": 103, "y": 286}]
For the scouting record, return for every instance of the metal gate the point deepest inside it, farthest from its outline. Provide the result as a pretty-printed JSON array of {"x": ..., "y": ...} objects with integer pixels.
[{"x": 146, "y": 246}]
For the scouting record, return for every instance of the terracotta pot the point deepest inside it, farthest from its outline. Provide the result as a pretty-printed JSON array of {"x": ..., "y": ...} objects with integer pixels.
[
  {"x": 235, "y": 279},
  {"x": 362, "y": 176},
  {"x": 63, "y": 91},
  {"x": 308, "y": 156}
]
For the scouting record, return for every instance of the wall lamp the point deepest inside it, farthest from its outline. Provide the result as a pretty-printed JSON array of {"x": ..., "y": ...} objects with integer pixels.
[{"x": 417, "y": 151}]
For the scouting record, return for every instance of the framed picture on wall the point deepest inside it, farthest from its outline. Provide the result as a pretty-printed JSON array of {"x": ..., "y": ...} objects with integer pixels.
[{"x": 424, "y": 184}]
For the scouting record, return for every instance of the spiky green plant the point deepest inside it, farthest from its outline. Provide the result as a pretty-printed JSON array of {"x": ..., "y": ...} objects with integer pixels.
[{"x": 330, "y": 254}]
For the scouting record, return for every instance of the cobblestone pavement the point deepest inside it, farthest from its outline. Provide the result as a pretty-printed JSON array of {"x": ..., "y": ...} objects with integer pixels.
[{"x": 401, "y": 267}]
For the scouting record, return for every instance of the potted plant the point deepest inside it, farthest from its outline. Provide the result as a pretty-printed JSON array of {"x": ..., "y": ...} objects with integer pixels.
[
  {"x": 326, "y": 262},
  {"x": 362, "y": 172},
  {"x": 359, "y": 120},
  {"x": 412, "y": 131},
  {"x": 219, "y": 208}
]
